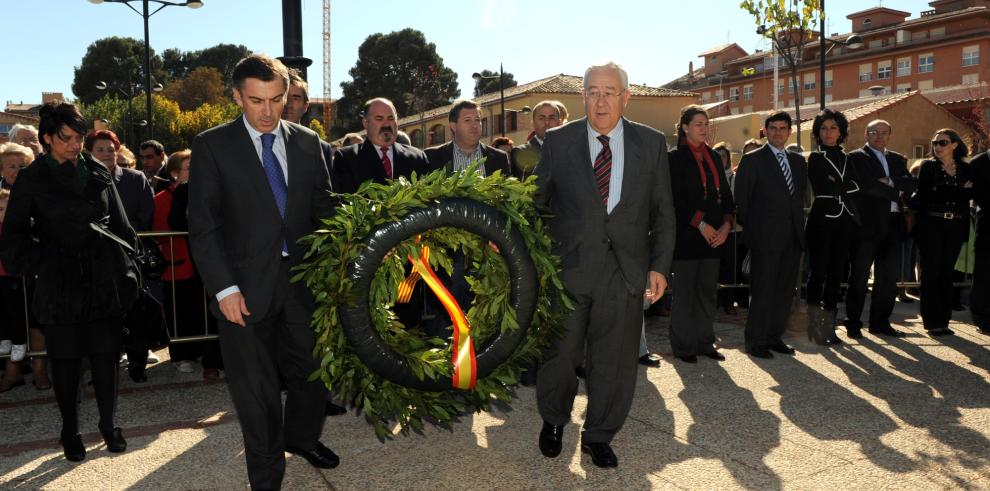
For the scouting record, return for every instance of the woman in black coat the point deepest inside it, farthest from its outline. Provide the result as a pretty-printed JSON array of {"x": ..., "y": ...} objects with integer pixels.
[
  {"x": 831, "y": 223},
  {"x": 703, "y": 207},
  {"x": 945, "y": 186},
  {"x": 85, "y": 282}
]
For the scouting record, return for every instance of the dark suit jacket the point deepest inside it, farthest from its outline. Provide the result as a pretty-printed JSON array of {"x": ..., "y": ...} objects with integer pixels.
[
  {"x": 981, "y": 193},
  {"x": 355, "y": 164},
  {"x": 137, "y": 196},
  {"x": 873, "y": 201},
  {"x": 235, "y": 230},
  {"x": 640, "y": 230},
  {"x": 770, "y": 215},
  {"x": 525, "y": 157},
  {"x": 442, "y": 157},
  {"x": 832, "y": 187},
  {"x": 693, "y": 204}
]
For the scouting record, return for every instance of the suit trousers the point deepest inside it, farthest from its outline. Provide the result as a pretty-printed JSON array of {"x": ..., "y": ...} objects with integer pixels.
[
  {"x": 253, "y": 357},
  {"x": 979, "y": 296},
  {"x": 939, "y": 242},
  {"x": 692, "y": 313},
  {"x": 773, "y": 276},
  {"x": 603, "y": 331},
  {"x": 828, "y": 254},
  {"x": 884, "y": 254}
]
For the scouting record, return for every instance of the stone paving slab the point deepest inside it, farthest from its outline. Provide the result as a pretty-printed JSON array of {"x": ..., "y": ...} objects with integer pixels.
[{"x": 878, "y": 413}]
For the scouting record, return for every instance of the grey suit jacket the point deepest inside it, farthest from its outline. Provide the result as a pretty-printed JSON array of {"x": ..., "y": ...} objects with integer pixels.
[
  {"x": 768, "y": 212},
  {"x": 639, "y": 232},
  {"x": 235, "y": 231}
]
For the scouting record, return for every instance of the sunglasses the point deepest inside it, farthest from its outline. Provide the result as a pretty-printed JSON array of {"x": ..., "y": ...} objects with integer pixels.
[{"x": 941, "y": 143}]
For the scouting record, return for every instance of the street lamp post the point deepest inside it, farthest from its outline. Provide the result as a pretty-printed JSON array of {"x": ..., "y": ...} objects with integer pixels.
[
  {"x": 145, "y": 14},
  {"x": 132, "y": 90},
  {"x": 501, "y": 91},
  {"x": 853, "y": 42}
]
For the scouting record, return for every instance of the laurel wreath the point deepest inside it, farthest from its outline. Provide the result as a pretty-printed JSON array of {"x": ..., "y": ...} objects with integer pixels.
[{"x": 334, "y": 247}]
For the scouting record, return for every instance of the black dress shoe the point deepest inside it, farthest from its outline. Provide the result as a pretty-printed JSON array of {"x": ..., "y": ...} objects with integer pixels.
[
  {"x": 72, "y": 448},
  {"x": 138, "y": 376},
  {"x": 885, "y": 331},
  {"x": 321, "y": 456},
  {"x": 551, "y": 439},
  {"x": 334, "y": 410},
  {"x": 761, "y": 353},
  {"x": 528, "y": 378},
  {"x": 782, "y": 348},
  {"x": 650, "y": 360},
  {"x": 854, "y": 332},
  {"x": 114, "y": 440},
  {"x": 688, "y": 358},
  {"x": 715, "y": 355},
  {"x": 601, "y": 454},
  {"x": 943, "y": 331}
]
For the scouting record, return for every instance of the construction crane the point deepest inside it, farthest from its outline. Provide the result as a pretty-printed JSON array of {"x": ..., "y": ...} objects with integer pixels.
[{"x": 326, "y": 66}]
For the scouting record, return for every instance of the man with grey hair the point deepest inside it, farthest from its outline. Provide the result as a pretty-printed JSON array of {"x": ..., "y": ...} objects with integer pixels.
[
  {"x": 27, "y": 135},
  {"x": 885, "y": 181},
  {"x": 546, "y": 115},
  {"x": 604, "y": 184}
]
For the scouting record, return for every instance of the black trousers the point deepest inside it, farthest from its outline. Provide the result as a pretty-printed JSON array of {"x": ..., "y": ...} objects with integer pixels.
[
  {"x": 254, "y": 356},
  {"x": 692, "y": 313},
  {"x": 774, "y": 274},
  {"x": 13, "y": 317},
  {"x": 828, "y": 255},
  {"x": 730, "y": 272},
  {"x": 603, "y": 332},
  {"x": 190, "y": 318},
  {"x": 884, "y": 255},
  {"x": 939, "y": 242},
  {"x": 979, "y": 296}
]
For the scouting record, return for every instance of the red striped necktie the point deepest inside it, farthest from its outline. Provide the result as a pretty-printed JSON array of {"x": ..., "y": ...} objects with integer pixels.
[{"x": 603, "y": 168}]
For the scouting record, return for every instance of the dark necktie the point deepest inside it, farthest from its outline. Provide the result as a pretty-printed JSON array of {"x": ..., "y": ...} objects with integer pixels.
[
  {"x": 276, "y": 178},
  {"x": 603, "y": 168},
  {"x": 786, "y": 169},
  {"x": 386, "y": 163}
]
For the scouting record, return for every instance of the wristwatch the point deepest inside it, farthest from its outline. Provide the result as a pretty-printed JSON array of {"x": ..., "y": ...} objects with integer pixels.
[{"x": 701, "y": 226}]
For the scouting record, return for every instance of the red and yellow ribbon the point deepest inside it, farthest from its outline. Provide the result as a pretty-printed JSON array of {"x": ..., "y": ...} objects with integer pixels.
[{"x": 463, "y": 358}]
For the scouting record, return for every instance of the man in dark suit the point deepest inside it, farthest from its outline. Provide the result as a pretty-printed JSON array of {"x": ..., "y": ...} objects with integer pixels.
[
  {"x": 979, "y": 303},
  {"x": 604, "y": 183},
  {"x": 546, "y": 115},
  {"x": 257, "y": 185},
  {"x": 770, "y": 188},
  {"x": 379, "y": 157},
  {"x": 466, "y": 147},
  {"x": 883, "y": 177},
  {"x": 152, "y": 156}
]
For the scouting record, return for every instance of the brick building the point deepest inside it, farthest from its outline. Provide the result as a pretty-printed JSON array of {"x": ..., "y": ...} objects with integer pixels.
[{"x": 942, "y": 47}]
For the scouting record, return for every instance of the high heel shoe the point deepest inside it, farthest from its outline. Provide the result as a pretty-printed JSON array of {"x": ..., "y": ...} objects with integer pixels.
[
  {"x": 72, "y": 448},
  {"x": 114, "y": 440}
]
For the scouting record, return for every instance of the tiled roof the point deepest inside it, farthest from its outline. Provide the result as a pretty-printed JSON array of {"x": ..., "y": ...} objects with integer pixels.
[
  {"x": 22, "y": 107},
  {"x": 719, "y": 49},
  {"x": 18, "y": 118},
  {"x": 958, "y": 93},
  {"x": 853, "y": 109},
  {"x": 556, "y": 84}
]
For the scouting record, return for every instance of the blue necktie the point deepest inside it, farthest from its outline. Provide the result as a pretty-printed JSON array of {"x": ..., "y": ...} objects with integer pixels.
[{"x": 276, "y": 179}]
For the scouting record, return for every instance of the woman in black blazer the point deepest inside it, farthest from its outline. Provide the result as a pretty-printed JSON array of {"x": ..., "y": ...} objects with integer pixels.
[
  {"x": 703, "y": 207},
  {"x": 85, "y": 282},
  {"x": 831, "y": 223},
  {"x": 945, "y": 186}
]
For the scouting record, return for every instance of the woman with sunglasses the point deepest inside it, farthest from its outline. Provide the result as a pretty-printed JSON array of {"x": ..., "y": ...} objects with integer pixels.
[
  {"x": 85, "y": 283},
  {"x": 945, "y": 188}
]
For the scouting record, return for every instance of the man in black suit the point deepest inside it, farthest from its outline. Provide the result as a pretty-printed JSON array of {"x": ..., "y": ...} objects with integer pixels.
[
  {"x": 979, "y": 303},
  {"x": 770, "y": 188},
  {"x": 604, "y": 183},
  {"x": 257, "y": 185},
  {"x": 379, "y": 157},
  {"x": 883, "y": 177},
  {"x": 546, "y": 115},
  {"x": 466, "y": 147}
]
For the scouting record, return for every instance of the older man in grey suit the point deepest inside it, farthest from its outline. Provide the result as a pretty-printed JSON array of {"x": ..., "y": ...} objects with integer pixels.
[{"x": 605, "y": 183}]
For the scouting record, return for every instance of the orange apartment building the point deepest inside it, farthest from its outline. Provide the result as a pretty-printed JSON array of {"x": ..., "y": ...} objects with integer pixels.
[{"x": 948, "y": 45}]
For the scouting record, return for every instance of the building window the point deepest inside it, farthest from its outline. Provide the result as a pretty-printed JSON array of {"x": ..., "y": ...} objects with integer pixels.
[
  {"x": 734, "y": 94},
  {"x": 926, "y": 63},
  {"x": 971, "y": 56},
  {"x": 876, "y": 43},
  {"x": 416, "y": 136},
  {"x": 866, "y": 72},
  {"x": 809, "y": 81},
  {"x": 733, "y": 111},
  {"x": 926, "y": 84},
  {"x": 809, "y": 100},
  {"x": 971, "y": 78},
  {"x": 719, "y": 95},
  {"x": 867, "y": 23},
  {"x": 883, "y": 70},
  {"x": 748, "y": 93},
  {"x": 919, "y": 151},
  {"x": 903, "y": 67},
  {"x": 828, "y": 98},
  {"x": 706, "y": 96},
  {"x": 437, "y": 136},
  {"x": 828, "y": 78},
  {"x": 938, "y": 32},
  {"x": 901, "y": 88}
]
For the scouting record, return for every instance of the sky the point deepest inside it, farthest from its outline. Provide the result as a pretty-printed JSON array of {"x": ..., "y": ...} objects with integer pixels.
[{"x": 653, "y": 39}]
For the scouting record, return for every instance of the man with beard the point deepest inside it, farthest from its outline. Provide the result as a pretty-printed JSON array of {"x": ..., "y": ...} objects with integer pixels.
[{"x": 379, "y": 157}]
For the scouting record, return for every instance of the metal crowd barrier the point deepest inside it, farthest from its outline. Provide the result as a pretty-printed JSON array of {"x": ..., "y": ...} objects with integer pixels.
[{"x": 737, "y": 282}]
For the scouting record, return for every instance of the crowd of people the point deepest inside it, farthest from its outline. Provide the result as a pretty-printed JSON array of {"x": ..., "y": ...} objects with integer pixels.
[{"x": 627, "y": 214}]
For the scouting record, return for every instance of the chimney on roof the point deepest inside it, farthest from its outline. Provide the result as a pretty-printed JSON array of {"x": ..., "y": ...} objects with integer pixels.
[
  {"x": 47, "y": 97},
  {"x": 691, "y": 70}
]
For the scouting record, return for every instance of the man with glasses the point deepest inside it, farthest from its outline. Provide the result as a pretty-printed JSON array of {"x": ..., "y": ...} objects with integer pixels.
[
  {"x": 152, "y": 156},
  {"x": 883, "y": 176},
  {"x": 27, "y": 135},
  {"x": 546, "y": 115},
  {"x": 604, "y": 183}
]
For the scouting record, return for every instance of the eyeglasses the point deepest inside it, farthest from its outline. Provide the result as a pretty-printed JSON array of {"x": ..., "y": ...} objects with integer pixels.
[
  {"x": 941, "y": 143},
  {"x": 597, "y": 94},
  {"x": 878, "y": 133},
  {"x": 27, "y": 141}
]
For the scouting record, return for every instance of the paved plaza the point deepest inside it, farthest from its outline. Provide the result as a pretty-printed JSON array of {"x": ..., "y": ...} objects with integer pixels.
[{"x": 878, "y": 413}]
